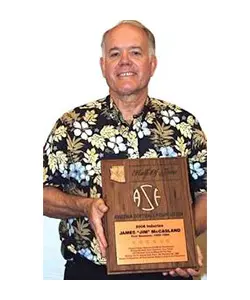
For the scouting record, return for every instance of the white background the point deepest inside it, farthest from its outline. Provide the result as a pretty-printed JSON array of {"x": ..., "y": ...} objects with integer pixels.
[{"x": 49, "y": 63}]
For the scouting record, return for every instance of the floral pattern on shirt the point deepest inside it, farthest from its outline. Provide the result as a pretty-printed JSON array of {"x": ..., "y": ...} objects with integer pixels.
[{"x": 84, "y": 136}]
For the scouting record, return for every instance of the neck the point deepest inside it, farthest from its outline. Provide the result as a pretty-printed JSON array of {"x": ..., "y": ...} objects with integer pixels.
[{"x": 129, "y": 105}]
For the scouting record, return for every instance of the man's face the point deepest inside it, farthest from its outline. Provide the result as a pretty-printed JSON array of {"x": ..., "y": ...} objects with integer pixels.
[{"x": 126, "y": 63}]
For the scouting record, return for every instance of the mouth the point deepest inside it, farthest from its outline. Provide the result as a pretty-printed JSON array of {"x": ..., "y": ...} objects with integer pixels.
[{"x": 126, "y": 74}]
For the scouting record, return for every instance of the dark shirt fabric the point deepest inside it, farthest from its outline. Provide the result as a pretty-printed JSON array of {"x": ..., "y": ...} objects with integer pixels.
[{"x": 95, "y": 131}]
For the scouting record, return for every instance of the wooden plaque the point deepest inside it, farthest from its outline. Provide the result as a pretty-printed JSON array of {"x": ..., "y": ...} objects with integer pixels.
[{"x": 149, "y": 225}]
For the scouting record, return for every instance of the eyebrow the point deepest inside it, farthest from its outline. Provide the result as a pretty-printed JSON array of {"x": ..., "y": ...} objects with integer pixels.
[{"x": 130, "y": 48}]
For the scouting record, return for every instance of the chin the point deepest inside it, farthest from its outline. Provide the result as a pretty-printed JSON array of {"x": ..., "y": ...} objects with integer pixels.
[{"x": 126, "y": 90}]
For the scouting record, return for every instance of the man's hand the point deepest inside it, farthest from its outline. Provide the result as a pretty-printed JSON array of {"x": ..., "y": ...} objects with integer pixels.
[
  {"x": 187, "y": 272},
  {"x": 95, "y": 210}
]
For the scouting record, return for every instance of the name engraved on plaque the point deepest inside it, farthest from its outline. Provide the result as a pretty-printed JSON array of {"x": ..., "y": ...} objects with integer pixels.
[{"x": 150, "y": 241}]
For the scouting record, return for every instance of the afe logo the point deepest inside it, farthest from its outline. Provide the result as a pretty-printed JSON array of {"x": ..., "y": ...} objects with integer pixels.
[{"x": 146, "y": 197}]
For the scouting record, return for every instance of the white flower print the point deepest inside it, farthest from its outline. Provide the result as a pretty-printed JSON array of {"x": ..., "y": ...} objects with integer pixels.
[
  {"x": 169, "y": 117},
  {"x": 116, "y": 143},
  {"x": 142, "y": 129},
  {"x": 82, "y": 129}
]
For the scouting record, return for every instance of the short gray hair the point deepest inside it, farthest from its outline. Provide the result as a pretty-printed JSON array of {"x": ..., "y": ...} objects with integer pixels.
[{"x": 151, "y": 38}]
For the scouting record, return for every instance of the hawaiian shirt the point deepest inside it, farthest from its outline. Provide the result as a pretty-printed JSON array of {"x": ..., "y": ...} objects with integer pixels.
[{"x": 84, "y": 136}]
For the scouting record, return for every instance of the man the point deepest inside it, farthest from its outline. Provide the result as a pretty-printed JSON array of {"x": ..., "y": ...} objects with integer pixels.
[{"x": 125, "y": 124}]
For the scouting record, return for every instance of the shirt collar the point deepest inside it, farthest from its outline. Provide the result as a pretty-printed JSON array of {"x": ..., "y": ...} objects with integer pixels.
[{"x": 114, "y": 109}]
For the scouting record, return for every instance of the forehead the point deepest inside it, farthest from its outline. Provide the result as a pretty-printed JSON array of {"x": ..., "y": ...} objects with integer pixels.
[{"x": 126, "y": 35}]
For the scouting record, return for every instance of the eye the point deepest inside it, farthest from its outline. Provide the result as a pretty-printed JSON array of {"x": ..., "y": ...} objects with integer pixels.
[
  {"x": 114, "y": 54},
  {"x": 136, "y": 53}
]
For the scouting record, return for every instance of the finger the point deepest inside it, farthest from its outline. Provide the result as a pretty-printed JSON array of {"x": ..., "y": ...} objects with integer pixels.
[
  {"x": 172, "y": 273},
  {"x": 165, "y": 273},
  {"x": 193, "y": 272},
  {"x": 182, "y": 272},
  {"x": 100, "y": 233},
  {"x": 100, "y": 205},
  {"x": 199, "y": 256},
  {"x": 102, "y": 248},
  {"x": 101, "y": 240}
]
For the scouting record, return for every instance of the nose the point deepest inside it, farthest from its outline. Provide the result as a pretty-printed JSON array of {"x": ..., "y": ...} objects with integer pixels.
[{"x": 124, "y": 59}]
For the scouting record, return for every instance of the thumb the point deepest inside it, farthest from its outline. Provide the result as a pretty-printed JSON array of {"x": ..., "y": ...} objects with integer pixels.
[
  {"x": 200, "y": 256},
  {"x": 102, "y": 207}
]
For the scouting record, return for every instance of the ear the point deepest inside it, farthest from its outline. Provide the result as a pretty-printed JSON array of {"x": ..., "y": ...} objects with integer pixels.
[
  {"x": 102, "y": 65},
  {"x": 153, "y": 64}
]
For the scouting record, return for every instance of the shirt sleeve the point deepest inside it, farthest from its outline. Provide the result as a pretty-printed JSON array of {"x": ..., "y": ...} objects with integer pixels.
[
  {"x": 55, "y": 157},
  {"x": 198, "y": 160}
]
